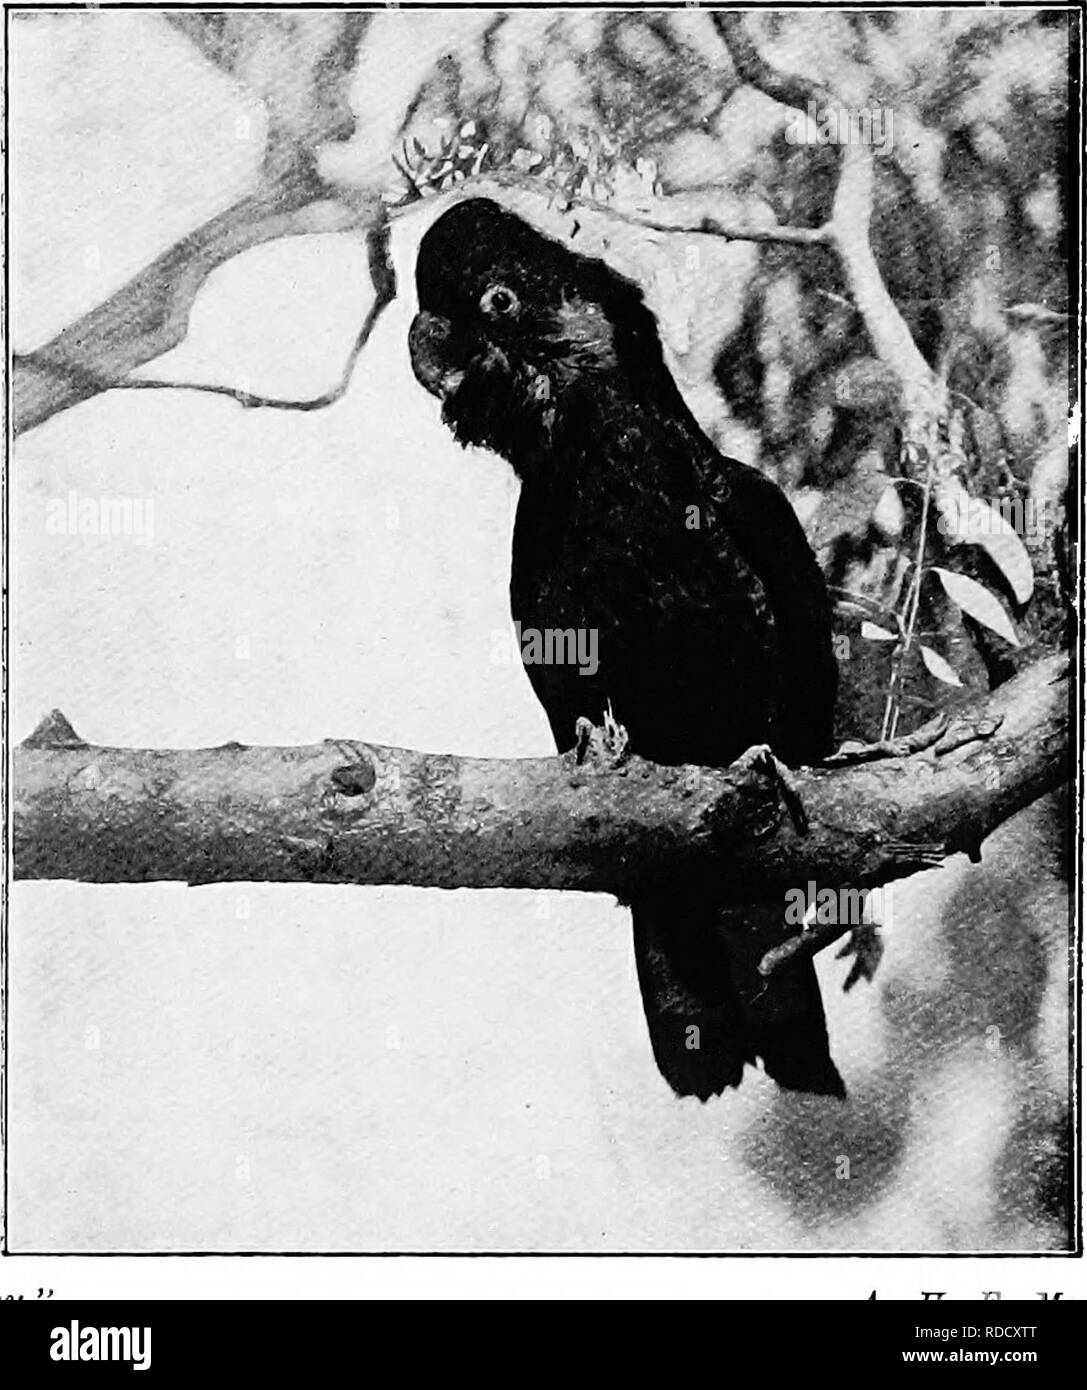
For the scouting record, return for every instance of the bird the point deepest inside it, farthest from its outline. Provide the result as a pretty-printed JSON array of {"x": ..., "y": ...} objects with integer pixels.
[{"x": 710, "y": 612}]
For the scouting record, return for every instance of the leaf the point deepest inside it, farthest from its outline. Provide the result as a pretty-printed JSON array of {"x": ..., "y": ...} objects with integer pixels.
[
  {"x": 938, "y": 667},
  {"x": 853, "y": 606},
  {"x": 967, "y": 520},
  {"x": 983, "y": 606},
  {"x": 1006, "y": 550},
  {"x": 875, "y": 633},
  {"x": 468, "y": 128},
  {"x": 889, "y": 515}
]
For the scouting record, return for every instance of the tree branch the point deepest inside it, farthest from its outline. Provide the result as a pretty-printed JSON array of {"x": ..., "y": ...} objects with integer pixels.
[
  {"x": 499, "y": 182},
  {"x": 299, "y": 69},
  {"x": 790, "y": 88},
  {"x": 847, "y": 232},
  {"x": 349, "y": 812},
  {"x": 383, "y": 278},
  {"x": 149, "y": 315},
  {"x": 298, "y": 66}
]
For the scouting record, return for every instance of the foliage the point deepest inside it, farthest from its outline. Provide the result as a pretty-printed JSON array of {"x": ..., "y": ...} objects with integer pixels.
[{"x": 969, "y": 231}]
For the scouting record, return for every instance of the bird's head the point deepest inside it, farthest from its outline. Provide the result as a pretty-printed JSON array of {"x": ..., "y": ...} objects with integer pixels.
[{"x": 515, "y": 331}]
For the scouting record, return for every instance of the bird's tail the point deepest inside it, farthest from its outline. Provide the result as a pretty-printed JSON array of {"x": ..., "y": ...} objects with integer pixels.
[{"x": 710, "y": 1011}]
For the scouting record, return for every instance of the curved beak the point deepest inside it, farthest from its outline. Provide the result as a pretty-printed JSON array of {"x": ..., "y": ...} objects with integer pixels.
[{"x": 433, "y": 357}]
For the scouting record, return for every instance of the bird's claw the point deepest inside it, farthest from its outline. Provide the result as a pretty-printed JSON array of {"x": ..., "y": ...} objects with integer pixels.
[
  {"x": 864, "y": 943},
  {"x": 962, "y": 731},
  {"x": 942, "y": 734},
  {"x": 853, "y": 751},
  {"x": 608, "y": 740},
  {"x": 866, "y": 946},
  {"x": 759, "y": 758}
]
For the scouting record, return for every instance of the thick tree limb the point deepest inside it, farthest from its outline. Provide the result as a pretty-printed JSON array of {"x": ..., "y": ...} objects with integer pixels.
[{"x": 349, "y": 812}]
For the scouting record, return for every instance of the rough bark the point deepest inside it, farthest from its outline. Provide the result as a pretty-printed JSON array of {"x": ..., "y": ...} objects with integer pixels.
[{"x": 350, "y": 812}]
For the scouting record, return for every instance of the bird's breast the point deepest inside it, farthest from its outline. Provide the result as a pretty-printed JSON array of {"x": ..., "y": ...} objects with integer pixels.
[{"x": 677, "y": 630}]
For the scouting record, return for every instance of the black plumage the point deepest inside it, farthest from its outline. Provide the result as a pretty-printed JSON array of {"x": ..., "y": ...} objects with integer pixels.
[{"x": 711, "y": 612}]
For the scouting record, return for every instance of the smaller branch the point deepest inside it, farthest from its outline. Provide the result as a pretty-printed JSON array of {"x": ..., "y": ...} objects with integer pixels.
[
  {"x": 300, "y": 68},
  {"x": 499, "y": 182},
  {"x": 847, "y": 232},
  {"x": 414, "y": 191},
  {"x": 149, "y": 315},
  {"x": 790, "y": 88},
  {"x": 384, "y": 281},
  {"x": 779, "y": 235},
  {"x": 918, "y": 580},
  {"x": 838, "y": 299},
  {"x": 1036, "y": 314},
  {"x": 908, "y": 627}
]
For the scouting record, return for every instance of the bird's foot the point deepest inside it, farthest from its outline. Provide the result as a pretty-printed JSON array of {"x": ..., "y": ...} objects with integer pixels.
[
  {"x": 759, "y": 758},
  {"x": 942, "y": 734},
  {"x": 608, "y": 742},
  {"x": 865, "y": 945},
  {"x": 853, "y": 751},
  {"x": 805, "y": 944}
]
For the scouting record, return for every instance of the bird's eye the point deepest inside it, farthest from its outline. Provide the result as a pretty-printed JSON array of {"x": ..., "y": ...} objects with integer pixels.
[{"x": 499, "y": 301}]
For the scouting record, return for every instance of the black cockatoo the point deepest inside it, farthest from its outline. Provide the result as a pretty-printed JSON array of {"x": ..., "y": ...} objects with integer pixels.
[{"x": 711, "y": 615}]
